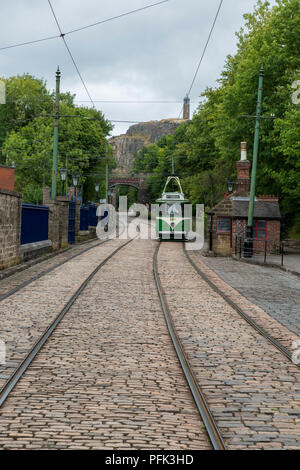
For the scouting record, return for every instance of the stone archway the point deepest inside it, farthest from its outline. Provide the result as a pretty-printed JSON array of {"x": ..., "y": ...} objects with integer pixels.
[{"x": 137, "y": 183}]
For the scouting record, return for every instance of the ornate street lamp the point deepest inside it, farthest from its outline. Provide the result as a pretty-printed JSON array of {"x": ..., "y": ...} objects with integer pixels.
[
  {"x": 63, "y": 176},
  {"x": 230, "y": 185},
  {"x": 110, "y": 194},
  {"x": 75, "y": 178}
]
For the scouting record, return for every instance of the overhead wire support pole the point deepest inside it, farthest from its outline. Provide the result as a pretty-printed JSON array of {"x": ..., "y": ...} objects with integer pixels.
[
  {"x": 249, "y": 234},
  {"x": 55, "y": 144}
]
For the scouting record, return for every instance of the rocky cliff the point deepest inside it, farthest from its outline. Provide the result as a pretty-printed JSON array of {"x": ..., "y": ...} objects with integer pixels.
[{"x": 126, "y": 145}]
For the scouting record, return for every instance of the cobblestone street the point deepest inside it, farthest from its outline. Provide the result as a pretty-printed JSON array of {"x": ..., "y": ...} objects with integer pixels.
[
  {"x": 150, "y": 230},
  {"x": 108, "y": 378},
  {"x": 253, "y": 390}
]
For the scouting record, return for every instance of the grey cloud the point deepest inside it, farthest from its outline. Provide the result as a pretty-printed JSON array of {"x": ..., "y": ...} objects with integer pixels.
[{"x": 149, "y": 55}]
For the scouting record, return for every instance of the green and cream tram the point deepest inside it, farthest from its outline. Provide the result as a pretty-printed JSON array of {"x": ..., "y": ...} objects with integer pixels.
[{"x": 172, "y": 222}]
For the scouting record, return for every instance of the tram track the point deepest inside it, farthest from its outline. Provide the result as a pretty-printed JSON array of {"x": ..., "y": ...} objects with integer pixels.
[
  {"x": 251, "y": 388},
  {"x": 33, "y": 352},
  {"x": 277, "y": 344},
  {"x": 43, "y": 273},
  {"x": 199, "y": 398},
  {"x": 92, "y": 387}
]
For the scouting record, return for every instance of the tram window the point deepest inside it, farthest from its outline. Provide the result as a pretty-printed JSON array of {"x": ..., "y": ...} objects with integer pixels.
[
  {"x": 224, "y": 224},
  {"x": 174, "y": 209}
]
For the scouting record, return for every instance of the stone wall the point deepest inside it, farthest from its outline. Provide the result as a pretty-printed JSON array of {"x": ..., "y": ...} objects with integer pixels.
[{"x": 10, "y": 227}]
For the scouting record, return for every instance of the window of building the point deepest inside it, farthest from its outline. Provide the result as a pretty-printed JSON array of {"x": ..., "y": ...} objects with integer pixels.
[
  {"x": 260, "y": 229},
  {"x": 224, "y": 224}
]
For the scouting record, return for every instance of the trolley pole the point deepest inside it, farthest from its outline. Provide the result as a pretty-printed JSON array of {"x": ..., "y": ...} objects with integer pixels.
[
  {"x": 248, "y": 248},
  {"x": 55, "y": 146}
]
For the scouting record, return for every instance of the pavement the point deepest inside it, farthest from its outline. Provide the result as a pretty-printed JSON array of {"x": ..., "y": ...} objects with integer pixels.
[
  {"x": 276, "y": 292},
  {"x": 290, "y": 261}
]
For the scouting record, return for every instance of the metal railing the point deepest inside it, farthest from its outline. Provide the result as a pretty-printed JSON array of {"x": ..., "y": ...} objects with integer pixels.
[{"x": 264, "y": 250}]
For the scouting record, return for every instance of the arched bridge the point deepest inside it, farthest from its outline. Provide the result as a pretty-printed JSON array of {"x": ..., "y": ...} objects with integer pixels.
[
  {"x": 134, "y": 182},
  {"x": 137, "y": 183}
]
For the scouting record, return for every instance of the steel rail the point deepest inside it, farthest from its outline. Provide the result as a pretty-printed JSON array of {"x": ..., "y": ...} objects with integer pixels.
[
  {"x": 199, "y": 398},
  {"x": 30, "y": 356},
  {"x": 47, "y": 271},
  {"x": 240, "y": 311}
]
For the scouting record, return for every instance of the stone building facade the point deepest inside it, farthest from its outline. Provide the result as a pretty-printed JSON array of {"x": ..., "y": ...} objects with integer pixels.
[{"x": 228, "y": 220}]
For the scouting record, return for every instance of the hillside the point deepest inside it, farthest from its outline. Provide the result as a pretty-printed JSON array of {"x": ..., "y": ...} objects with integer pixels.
[{"x": 127, "y": 145}]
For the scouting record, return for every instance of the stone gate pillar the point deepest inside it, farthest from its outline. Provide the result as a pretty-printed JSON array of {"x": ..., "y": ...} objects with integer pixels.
[{"x": 58, "y": 219}]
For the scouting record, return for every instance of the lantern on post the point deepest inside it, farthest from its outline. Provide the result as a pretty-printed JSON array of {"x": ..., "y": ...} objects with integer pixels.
[
  {"x": 63, "y": 176},
  {"x": 230, "y": 185},
  {"x": 75, "y": 178}
]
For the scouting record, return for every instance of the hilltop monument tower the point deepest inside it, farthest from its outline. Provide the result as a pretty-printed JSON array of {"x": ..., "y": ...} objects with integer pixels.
[{"x": 186, "y": 108}]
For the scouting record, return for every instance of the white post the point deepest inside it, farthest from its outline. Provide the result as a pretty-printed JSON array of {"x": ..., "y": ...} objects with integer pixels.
[{"x": 243, "y": 151}]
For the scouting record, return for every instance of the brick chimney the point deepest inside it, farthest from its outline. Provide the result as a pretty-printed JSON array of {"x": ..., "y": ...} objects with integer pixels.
[
  {"x": 243, "y": 172},
  {"x": 7, "y": 177}
]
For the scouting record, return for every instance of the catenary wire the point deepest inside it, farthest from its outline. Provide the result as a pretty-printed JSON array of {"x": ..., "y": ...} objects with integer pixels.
[
  {"x": 70, "y": 54},
  {"x": 29, "y": 42},
  {"x": 82, "y": 28},
  {"x": 204, "y": 51},
  {"x": 116, "y": 17}
]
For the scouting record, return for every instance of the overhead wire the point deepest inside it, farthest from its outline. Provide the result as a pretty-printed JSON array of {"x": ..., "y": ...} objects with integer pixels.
[
  {"x": 70, "y": 54},
  {"x": 204, "y": 51},
  {"x": 130, "y": 102},
  {"x": 29, "y": 42},
  {"x": 116, "y": 17},
  {"x": 62, "y": 35},
  {"x": 84, "y": 27}
]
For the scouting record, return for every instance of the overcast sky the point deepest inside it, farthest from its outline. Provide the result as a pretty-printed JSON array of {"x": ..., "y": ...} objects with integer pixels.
[{"x": 149, "y": 55}]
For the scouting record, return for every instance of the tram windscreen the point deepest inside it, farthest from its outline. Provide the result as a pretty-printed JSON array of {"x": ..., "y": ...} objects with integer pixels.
[{"x": 171, "y": 210}]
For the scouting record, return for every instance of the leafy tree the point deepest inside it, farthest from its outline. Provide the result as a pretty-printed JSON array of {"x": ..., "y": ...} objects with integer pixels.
[
  {"x": 29, "y": 143},
  {"x": 210, "y": 143}
]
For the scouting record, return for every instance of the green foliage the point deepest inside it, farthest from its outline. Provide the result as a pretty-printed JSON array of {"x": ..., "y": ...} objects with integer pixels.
[
  {"x": 210, "y": 143},
  {"x": 128, "y": 191},
  {"x": 32, "y": 194},
  {"x": 26, "y": 124}
]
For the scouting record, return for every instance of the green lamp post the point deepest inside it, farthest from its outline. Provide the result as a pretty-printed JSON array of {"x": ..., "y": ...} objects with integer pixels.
[{"x": 55, "y": 146}]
